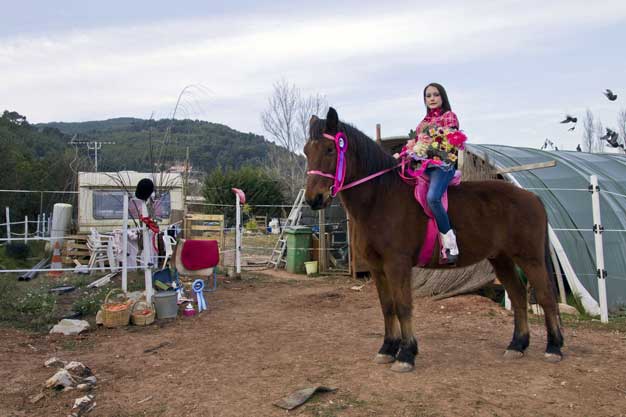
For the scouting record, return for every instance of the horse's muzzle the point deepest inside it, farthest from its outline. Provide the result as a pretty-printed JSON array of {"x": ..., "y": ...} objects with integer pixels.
[{"x": 317, "y": 203}]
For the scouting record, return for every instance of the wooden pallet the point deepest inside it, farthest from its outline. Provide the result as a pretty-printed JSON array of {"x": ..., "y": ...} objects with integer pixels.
[{"x": 75, "y": 248}]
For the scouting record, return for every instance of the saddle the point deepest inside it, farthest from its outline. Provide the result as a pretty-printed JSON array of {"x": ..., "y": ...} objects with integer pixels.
[{"x": 197, "y": 257}]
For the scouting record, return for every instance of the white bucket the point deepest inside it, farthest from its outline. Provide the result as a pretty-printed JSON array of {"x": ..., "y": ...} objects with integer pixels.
[{"x": 311, "y": 267}]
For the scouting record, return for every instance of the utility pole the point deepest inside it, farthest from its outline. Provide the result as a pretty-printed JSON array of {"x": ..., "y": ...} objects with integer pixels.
[{"x": 92, "y": 145}]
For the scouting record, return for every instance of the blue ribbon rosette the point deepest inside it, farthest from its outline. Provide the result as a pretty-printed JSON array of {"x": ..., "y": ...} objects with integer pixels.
[{"x": 198, "y": 288}]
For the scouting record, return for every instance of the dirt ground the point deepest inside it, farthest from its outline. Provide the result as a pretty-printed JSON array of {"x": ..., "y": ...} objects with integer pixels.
[{"x": 264, "y": 337}]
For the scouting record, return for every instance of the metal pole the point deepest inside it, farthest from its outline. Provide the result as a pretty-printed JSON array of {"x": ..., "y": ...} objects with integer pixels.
[
  {"x": 25, "y": 229},
  {"x": 125, "y": 243},
  {"x": 322, "y": 255},
  {"x": 237, "y": 235},
  {"x": 8, "y": 216},
  {"x": 38, "y": 220},
  {"x": 43, "y": 224},
  {"x": 597, "y": 232},
  {"x": 96, "y": 157},
  {"x": 147, "y": 249}
]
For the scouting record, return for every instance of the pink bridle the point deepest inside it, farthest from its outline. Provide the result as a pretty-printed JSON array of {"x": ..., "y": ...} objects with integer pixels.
[{"x": 341, "y": 144}]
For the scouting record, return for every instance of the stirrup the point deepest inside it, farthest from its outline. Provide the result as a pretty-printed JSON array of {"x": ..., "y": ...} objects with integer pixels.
[{"x": 449, "y": 259}]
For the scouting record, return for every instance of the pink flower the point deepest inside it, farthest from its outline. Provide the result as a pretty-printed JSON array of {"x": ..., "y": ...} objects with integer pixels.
[{"x": 457, "y": 138}]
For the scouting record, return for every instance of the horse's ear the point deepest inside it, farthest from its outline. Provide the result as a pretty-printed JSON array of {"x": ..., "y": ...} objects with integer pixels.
[{"x": 332, "y": 121}]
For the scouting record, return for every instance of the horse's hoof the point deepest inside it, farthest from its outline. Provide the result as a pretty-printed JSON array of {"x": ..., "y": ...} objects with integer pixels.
[
  {"x": 552, "y": 357},
  {"x": 513, "y": 354},
  {"x": 381, "y": 359},
  {"x": 402, "y": 367}
]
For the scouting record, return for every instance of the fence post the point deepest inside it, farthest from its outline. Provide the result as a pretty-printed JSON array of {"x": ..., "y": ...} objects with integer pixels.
[
  {"x": 147, "y": 254},
  {"x": 125, "y": 243},
  {"x": 597, "y": 232},
  {"x": 25, "y": 230},
  {"x": 8, "y": 215},
  {"x": 43, "y": 224},
  {"x": 37, "y": 231}
]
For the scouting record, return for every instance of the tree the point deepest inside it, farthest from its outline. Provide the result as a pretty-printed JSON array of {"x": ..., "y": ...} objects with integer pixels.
[
  {"x": 598, "y": 144},
  {"x": 286, "y": 119},
  {"x": 621, "y": 127},
  {"x": 260, "y": 188},
  {"x": 588, "y": 132}
]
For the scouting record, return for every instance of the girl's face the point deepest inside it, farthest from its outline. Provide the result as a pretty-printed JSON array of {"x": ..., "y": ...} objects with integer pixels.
[{"x": 432, "y": 98}]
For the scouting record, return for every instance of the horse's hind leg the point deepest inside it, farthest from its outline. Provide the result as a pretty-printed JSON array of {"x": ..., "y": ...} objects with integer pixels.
[
  {"x": 539, "y": 278},
  {"x": 391, "y": 342},
  {"x": 504, "y": 268}
]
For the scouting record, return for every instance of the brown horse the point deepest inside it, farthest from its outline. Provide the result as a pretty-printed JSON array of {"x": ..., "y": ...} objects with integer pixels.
[{"x": 494, "y": 220}]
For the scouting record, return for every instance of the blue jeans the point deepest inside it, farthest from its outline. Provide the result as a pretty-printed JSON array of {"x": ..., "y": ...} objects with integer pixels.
[{"x": 439, "y": 180}]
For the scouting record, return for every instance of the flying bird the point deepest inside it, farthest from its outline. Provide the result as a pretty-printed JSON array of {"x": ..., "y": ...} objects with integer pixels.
[
  {"x": 569, "y": 119},
  {"x": 611, "y": 137},
  {"x": 571, "y": 128},
  {"x": 609, "y": 94},
  {"x": 547, "y": 144},
  {"x": 578, "y": 148}
]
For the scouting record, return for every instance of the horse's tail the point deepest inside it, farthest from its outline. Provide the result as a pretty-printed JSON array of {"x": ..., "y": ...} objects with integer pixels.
[{"x": 550, "y": 266}]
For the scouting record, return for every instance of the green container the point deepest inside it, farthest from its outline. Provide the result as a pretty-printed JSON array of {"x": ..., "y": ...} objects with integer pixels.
[{"x": 298, "y": 244}]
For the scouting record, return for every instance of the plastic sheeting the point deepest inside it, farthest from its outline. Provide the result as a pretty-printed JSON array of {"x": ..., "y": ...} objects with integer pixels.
[{"x": 564, "y": 191}]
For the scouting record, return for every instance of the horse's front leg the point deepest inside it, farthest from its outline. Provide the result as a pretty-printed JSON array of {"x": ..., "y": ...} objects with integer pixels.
[
  {"x": 398, "y": 273},
  {"x": 391, "y": 342}
]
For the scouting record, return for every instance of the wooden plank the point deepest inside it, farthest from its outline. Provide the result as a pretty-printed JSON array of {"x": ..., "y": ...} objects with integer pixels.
[
  {"x": 209, "y": 228},
  {"x": 215, "y": 217},
  {"x": 526, "y": 167}
]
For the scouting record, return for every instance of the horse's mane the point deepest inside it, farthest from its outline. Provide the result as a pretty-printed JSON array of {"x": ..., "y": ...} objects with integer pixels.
[{"x": 370, "y": 156}]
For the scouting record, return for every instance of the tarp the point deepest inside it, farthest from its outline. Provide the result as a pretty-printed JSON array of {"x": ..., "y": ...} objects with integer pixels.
[{"x": 564, "y": 190}]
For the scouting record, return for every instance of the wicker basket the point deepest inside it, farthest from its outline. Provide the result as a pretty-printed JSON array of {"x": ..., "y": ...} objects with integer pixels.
[
  {"x": 115, "y": 314},
  {"x": 142, "y": 314}
]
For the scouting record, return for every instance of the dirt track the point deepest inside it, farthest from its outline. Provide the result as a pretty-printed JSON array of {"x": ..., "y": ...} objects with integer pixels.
[{"x": 263, "y": 338}]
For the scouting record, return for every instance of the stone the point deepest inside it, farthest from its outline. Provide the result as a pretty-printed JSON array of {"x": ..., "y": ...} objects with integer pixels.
[
  {"x": 61, "y": 379},
  {"x": 568, "y": 309},
  {"x": 54, "y": 362},
  {"x": 83, "y": 405},
  {"x": 90, "y": 380},
  {"x": 36, "y": 398},
  {"x": 70, "y": 327},
  {"x": 77, "y": 369},
  {"x": 84, "y": 387}
]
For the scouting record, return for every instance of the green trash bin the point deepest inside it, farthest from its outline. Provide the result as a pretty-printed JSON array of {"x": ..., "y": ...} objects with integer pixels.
[{"x": 298, "y": 244}]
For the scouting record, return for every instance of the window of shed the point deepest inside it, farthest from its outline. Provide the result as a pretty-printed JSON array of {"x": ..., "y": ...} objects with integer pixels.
[{"x": 108, "y": 204}]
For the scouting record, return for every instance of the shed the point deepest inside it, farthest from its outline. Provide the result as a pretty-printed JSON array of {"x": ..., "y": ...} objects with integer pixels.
[{"x": 100, "y": 198}]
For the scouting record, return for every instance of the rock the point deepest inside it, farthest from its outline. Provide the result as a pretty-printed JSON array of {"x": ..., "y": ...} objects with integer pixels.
[
  {"x": 83, "y": 405},
  {"x": 36, "y": 398},
  {"x": 61, "y": 379},
  {"x": 84, "y": 387},
  {"x": 90, "y": 380},
  {"x": 70, "y": 327},
  {"x": 54, "y": 362},
  {"x": 99, "y": 321},
  {"x": 77, "y": 369},
  {"x": 568, "y": 309}
]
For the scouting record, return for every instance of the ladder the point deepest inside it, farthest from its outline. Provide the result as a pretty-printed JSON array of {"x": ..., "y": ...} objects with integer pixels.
[{"x": 278, "y": 254}]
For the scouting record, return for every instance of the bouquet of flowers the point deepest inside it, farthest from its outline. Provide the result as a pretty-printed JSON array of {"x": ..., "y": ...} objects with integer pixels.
[{"x": 437, "y": 143}]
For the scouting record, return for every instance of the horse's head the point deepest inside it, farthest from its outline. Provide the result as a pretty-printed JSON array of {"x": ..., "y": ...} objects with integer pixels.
[{"x": 321, "y": 152}]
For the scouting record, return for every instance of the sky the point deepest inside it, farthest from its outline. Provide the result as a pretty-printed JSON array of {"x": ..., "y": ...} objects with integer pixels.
[{"x": 512, "y": 69}]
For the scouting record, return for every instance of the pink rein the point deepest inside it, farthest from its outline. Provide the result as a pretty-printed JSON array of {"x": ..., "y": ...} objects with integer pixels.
[{"x": 341, "y": 144}]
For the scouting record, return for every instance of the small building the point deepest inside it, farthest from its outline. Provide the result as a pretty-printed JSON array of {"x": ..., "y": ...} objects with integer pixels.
[{"x": 100, "y": 194}]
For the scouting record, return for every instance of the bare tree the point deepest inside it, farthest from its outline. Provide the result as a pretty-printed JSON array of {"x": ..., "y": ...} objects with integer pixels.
[
  {"x": 286, "y": 119},
  {"x": 598, "y": 144},
  {"x": 588, "y": 132},
  {"x": 621, "y": 127}
]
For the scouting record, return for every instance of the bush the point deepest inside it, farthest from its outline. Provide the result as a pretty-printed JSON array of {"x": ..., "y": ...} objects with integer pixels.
[{"x": 17, "y": 250}]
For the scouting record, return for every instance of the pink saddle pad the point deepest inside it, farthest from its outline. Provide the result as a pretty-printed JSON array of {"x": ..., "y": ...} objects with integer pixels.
[{"x": 200, "y": 254}]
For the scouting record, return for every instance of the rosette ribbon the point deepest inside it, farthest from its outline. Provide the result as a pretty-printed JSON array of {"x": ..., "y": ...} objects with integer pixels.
[{"x": 198, "y": 288}]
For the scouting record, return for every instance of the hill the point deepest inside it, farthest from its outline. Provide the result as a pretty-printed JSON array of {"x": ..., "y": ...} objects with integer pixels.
[{"x": 210, "y": 144}]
